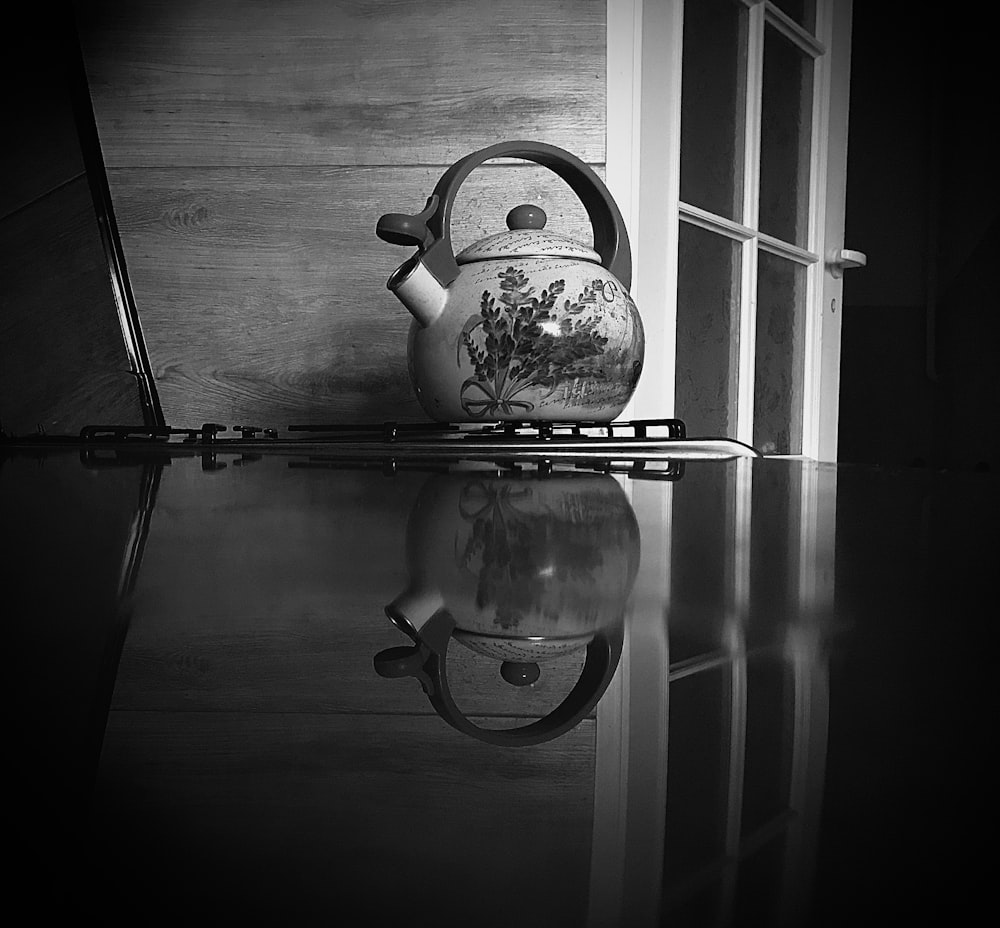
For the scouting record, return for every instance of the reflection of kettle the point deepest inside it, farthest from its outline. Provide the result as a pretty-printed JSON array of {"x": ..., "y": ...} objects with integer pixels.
[{"x": 522, "y": 569}]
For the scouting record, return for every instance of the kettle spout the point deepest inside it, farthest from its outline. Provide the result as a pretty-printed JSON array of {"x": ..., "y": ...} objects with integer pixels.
[
  {"x": 418, "y": 290},
  {"x": 414, "y": 608}
]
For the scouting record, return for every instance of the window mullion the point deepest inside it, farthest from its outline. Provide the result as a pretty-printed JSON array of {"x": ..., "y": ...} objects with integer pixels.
[
  {"x": 792, "y": 31},
  {"x": 714, "y": 223},
  {"x": 817, "y": 227},
  {"x": 750, "y": 216},
  {"x": 787, "y": 250}
]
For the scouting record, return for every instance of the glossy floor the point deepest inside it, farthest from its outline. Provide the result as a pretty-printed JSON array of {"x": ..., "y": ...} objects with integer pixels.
[{"x": 782, "y": 715}]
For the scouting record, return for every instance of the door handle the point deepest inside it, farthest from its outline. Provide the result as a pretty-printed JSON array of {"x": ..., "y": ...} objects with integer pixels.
[{"x": 844, "y": 258}]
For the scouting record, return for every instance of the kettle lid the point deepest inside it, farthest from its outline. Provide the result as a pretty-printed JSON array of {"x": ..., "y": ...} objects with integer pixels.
[{"x": 527, "y": 238}]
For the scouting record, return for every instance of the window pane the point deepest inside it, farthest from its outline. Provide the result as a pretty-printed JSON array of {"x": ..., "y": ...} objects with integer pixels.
[
  {"x": 781, "y": 288},
  {"x": 712, "y": 100},
  {"x": 786, "y": 124},
  {"x": 708, "y": 293},
  {"x": 802, "y": 11}
]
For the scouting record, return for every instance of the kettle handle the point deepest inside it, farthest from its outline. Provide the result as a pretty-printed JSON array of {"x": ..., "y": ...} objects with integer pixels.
[
  {"x": 427, "y": 661},
  {"x": 431, "y": 229}
]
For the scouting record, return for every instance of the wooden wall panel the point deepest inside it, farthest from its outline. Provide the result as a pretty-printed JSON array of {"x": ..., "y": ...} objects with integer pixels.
[
  {"x": 226, "y": 82},
  {"x": 262, "y": 290},
  {"x": 252, "y": 148}
]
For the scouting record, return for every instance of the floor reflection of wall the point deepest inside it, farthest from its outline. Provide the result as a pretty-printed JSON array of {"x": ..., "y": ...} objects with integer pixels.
[
  {"x": 75, "y": 531},
  {"x": 255, "y": 763}
]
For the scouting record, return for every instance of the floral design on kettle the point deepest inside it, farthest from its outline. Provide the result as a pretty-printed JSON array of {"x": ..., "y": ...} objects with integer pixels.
[
  {"x": 521, "y": 342},
  {"x": 535, "y": 560}
]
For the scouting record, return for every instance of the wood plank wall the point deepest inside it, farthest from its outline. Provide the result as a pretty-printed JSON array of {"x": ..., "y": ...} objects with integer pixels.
[
  {"x": 251, "y": 148},
  {"x": 63, "y": 362}
]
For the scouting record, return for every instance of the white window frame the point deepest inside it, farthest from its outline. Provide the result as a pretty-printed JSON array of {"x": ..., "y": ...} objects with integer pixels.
[{"x": 645, "y": 45}]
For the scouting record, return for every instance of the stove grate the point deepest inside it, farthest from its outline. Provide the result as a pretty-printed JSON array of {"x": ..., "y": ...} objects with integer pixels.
[{"x": 532, "y": 432}]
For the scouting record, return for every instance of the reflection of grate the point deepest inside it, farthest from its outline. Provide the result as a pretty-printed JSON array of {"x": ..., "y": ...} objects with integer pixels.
[{"x": 525, "y": 464}]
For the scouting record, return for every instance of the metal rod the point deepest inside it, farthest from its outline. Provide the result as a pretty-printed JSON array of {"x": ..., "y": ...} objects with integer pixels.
[{"x": 93, "y": 159}]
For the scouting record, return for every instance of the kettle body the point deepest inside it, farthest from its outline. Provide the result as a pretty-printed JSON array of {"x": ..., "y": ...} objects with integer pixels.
[{"x": 525, "y": 324}]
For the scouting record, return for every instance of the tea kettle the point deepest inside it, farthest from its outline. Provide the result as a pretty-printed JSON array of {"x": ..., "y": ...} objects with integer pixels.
[
  {"x": 524, "y": 324},
  {"x": 521, "y": 568}
]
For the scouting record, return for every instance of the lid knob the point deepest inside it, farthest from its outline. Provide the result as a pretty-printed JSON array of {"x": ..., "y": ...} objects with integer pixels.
[
  {"x": 517, "y": 673},
  {"x": 526, "y": 216}
]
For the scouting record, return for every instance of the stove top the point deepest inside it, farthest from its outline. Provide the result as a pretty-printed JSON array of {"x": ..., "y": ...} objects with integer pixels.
[{"x": 635, "y": 440}]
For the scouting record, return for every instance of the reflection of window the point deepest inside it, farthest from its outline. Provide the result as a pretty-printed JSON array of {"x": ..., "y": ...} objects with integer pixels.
[
  {"x": 711, "y": 744},
  {"x": 747, "y": 698},
  {"x": 729, "y": 788}
]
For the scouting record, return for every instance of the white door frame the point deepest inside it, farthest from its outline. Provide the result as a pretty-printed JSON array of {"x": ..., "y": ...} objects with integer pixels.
[
  {"x": 644, "y": 51},
  {"x": 820, "y": 441},
  {"x": 643, "y": 166}
]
